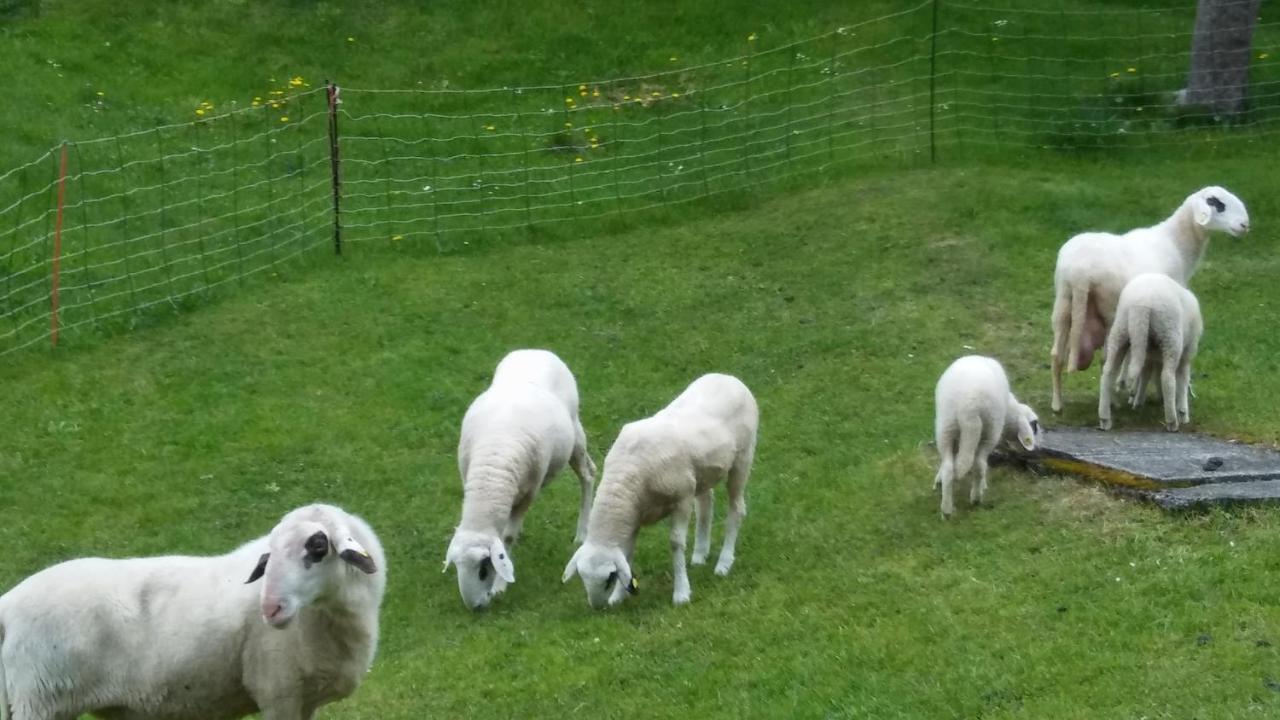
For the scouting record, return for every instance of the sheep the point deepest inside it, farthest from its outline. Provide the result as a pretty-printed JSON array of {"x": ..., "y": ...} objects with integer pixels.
[
  {"x": 974, "y": 409},
  {"x": 669, "y": 464},
  {"x": 188, "y": 637},
  {"x": 516, "y": 436},
  {"x": 1154, "y": 311},
  {"x": 1093, "y": 268}
]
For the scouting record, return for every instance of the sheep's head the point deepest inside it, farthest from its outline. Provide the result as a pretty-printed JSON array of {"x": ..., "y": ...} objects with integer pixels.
[
  {"x": 605, "y": 573},
  {"x": 1024, "y": 424},
  {"x": 1215, "y": 208},
  {"x": 481, "y": 560},
  {"x": 309, "y": 554}
]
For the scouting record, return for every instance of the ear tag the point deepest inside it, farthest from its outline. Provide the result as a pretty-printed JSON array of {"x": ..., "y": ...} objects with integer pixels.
[{"x": 633, "y": 587}]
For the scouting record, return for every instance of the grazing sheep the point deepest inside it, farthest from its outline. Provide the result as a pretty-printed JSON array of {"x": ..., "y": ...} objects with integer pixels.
[
  {"x": 974, "y": 410},
  {"x": 665, "y": 465},
  {"x": 1154, "y": 312},
  {"x": 1094, "y": 267},
  {"x": 187, "y": 637},
  {"x": 516, "y": 436}
]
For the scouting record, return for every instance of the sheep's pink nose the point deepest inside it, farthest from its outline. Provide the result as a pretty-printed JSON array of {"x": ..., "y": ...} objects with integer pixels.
[{"x": 272, "y": 611}]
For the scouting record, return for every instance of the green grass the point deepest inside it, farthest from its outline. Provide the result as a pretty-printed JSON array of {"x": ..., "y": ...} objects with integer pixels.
[
  {"x": 837, "y": 297},
  {"x": 839, "y": 307}
]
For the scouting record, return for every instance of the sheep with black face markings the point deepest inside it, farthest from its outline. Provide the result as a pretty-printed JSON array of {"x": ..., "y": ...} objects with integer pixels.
[
  {"x": 667, "y": 465},
  {"x": 1094, "y": 267},
  {"x": 516, "y": 436},
  {"x": 187, "y": 637}
]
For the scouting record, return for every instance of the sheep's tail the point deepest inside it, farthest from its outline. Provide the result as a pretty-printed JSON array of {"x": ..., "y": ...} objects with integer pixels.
[
  {"x": 1139, "y": 327},
  {"x": 1079, "y": 317},
  {"x": 970, "y": 430}
]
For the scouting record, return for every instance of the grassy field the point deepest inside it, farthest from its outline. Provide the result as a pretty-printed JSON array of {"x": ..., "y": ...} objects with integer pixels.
[
  {"x": 838, "y": 300},
  {"x": 839, "y": 307}
]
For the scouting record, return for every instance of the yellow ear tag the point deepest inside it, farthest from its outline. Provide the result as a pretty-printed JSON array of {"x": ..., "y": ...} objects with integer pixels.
[{"x": 633, "y": 587}]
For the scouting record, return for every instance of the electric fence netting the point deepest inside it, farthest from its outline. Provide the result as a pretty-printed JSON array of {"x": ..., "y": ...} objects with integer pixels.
[{"x": 99, "y": 234}]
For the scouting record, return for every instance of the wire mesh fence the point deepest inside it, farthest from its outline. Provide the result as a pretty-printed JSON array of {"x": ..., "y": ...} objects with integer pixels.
[{"x": 94, "y": 235}]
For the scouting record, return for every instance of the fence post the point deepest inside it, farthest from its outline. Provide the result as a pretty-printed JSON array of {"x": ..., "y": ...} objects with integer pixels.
[
  {"x": 57, "y": 248},
  {"x": 933, "y": 81},
  {"x": 334, "y": 167}
]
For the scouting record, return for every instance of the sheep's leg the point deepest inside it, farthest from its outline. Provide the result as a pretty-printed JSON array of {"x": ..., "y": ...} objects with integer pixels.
[
  {"x": 1061, "y": 323},
  {"x": 1110, "y": 370},
  {"x": 990, "y": 438},
  {"x": 702, "y": 540},
  {"x": 1169, "y": 391},
  {"x": 285, "y": 707},
  {"x": 679, "y": 534},
  {"x": 1184, "y": 389},
  {"x": 585, "y": 468},
  {"x": 736, "y": 488}
]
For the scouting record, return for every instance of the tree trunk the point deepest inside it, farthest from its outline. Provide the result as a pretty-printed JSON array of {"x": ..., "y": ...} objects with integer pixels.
[{"x": 1220, "y": 54}]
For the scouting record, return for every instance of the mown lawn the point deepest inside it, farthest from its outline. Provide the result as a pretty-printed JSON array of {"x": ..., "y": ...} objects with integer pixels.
[{"x": 346, "y": 381}]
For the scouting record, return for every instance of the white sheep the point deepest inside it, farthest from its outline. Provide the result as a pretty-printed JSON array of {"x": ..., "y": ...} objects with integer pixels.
[
  {"x": 1094, "y": 267},
  {"x": 974, "y": 410},
  {"x": 516, "y": 436},
  {"x": 1155, "y": 313},
  {"x": 187, "y": 637},
  {"x": 664, "y": 465}
]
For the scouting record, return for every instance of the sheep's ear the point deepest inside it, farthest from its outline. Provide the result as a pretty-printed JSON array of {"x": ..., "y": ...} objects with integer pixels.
[
  {"x": 1026, "y": 433},
  {"x": 355, "y": 554},
  {"x": 501, "y": 560},
  {"x": 572, "y": 568},
  {"x": 626, "y": 581},
  {"x": 259, "y": 570},
  {"x": 1204, "y": 212}
]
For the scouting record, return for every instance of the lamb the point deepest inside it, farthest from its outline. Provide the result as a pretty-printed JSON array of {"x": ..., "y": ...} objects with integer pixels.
[
  {"x": 1094, "y": 267},
  {"x": 974, "y": 409},
  {"x": 668, "y": 464},
  {"x": 187, "y": 637},
  {"x": 1154, "y": 311},
  {"x": 516, "y": 436}
]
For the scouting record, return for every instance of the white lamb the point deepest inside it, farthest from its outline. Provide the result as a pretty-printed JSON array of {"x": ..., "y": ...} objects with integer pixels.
[
  {"x": 516, "y": 437},
  {"x": 1155, "y": 313},
  {"x": 187, "y": 637},
  {"x": 1094, "y": 267},
  {"x": 974, "y": 410},
  {"x": 660, "y": 466}
]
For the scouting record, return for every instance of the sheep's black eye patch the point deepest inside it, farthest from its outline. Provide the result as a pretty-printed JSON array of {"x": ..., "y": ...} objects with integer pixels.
[
  {"x": 486, "y": 567},
  {"x": 1216, "y": 204},
  {"x": 317, "y": 547},
  {"x": 1035, "y": 426}
]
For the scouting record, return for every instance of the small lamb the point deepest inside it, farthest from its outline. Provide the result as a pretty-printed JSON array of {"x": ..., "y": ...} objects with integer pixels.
[
  {"x": 187, "y": 637},
  {"x": 516, "y": 436},
  {"x": 974, "y": 410},
  {"x": 1154, "y": 312},
  {"x": 666, "y": 465},
  {"x": 1094, "y": 267}
]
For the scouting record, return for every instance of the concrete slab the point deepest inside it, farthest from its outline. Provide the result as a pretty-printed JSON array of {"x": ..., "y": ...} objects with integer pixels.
[{"x": 1175, "y": 470}]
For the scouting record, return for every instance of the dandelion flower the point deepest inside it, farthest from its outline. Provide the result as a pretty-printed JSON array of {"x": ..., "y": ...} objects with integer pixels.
[
  {"x": 296, "y": 81},
  {"x": 1115, "y": 75},
  {"x": 751, "y": 37},
  {"x": 199, "y": 111},
  {"x": 626, "y": 97},
  {"x": 568, "y": 124},
  {"x": 489, "y": 128},
  {"x": 284, "y": 118},
  {"x": 1263, "y": 56},
  {"x": 578, "y": 159},
  {"x": 257, "y": 99},
  {"x": 397, "y": 237},
  {"x": 1131, "y": 70},
  {"x": 595, "y": 92},
  {"x": 675, "y": 95},
  {"x": 350, "y": 39},
  {"x": 582, "y": 93},
  {"x": 256, "y": 103},
  {"x": 673, "y": 58},
  {"x": 655, "y": 93},
  {"x": 101, "y": 94}
]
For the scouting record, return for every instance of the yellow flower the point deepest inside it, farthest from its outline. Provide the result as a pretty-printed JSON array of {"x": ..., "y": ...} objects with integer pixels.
[
  {"x": 275, "y": 106},
  {"x": 489, "y": 128},
  {"x": 284, "y": 118},
  {"x": 673, "y": 58},
  {"x": 296, "y": 81},
  {"x": 578, "y": 159},
  {"x": 675, "y": 95},
  {"x": 257, "y": 99},
  {"x": 256, "y": 103},
  {"x": 1115, "y": 75},
  {"x": 582, "y": 93},
  {"x": 751, "y": 37},
  {"x": 271, "y": 79},
  {"x": 595, "y": 92},
  {"x": 582, "y": 87},
  {"x": 655, "y": 94},
  {"x": 397, "y": 237},
  {"x": 626, "y": 97},
  {"x": 568, "y": 124},
  {"x": 1132, "y": 70},
  {"x": 199, "y": 111},
  {"x": 101, "y": 94},
  {"x": 351, "y": 39},
  {"x": 1263, "y": 56}
]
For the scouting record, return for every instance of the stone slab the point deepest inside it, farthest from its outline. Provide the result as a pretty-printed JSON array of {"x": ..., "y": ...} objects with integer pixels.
[{"x": 1175, "y": 470}]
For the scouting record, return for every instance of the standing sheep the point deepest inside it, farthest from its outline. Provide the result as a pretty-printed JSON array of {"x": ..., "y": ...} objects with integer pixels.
[
  {"x": 1094, "y": 267},
  {"x": 187, "y": 637},
  {"x": 1157, "y": 313},
  {"x": 974, "y": 409},
  {"x": 666, "y": 465},
  {"x": 516, "y": 436}
]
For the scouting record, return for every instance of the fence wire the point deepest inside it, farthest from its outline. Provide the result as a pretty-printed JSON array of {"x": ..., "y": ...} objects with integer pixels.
[{"x": 154, "y": 219}]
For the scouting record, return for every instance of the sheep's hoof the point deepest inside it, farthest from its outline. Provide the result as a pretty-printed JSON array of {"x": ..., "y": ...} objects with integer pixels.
[
  {"x": 1171, "y": 426},
  {"x": 722, "y": 567},
  {"x": 680, "y": 598},
  {"x": 698, "y": 559},
  {"x": 1104, "y": 423}
]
